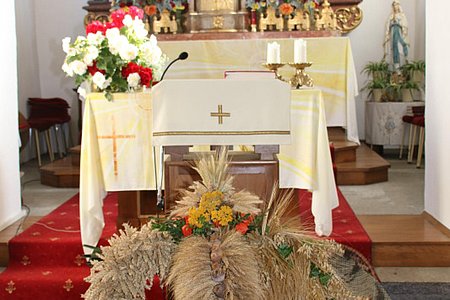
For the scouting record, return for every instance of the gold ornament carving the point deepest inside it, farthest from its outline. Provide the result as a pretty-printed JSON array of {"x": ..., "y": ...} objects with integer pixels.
[
  {"x": 90, "y": 17},
  {"x": 348, "y": 18},
  {"x": 325, "y": 18},
  {"x": 218, "y": 22},
  {"x": 165, "y": 22},
  {"x": 270, "y": 20},
  {"x": 300, "y": 21}
]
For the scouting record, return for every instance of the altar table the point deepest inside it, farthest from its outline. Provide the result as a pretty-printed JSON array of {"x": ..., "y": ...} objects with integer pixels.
[
  {"x": 333, "y": 69},
  {"x": 116, "y": 155}
]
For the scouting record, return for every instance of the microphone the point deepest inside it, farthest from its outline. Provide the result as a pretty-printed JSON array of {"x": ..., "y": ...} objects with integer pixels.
[{"x": 182, "y": 56}]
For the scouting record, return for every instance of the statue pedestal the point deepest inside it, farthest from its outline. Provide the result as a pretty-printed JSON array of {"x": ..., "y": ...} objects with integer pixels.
[{"x": 218, "y": 22}]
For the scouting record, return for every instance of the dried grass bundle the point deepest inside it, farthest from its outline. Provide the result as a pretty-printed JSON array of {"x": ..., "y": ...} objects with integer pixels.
[
  {"x": 129, "y": 264},
  {"x": 190, "y": 274},
  {"x": 242, "y": 279}
]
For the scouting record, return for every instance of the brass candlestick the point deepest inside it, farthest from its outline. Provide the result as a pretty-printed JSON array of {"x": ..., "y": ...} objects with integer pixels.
[
  {"x": 300, "y": 77},
  {"x": 274, "y": 67}
]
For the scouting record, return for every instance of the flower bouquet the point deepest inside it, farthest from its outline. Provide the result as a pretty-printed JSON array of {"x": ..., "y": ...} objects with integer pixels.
[
  {"x": 222, "y": 244},
  {"x": 116, "y": 57}
]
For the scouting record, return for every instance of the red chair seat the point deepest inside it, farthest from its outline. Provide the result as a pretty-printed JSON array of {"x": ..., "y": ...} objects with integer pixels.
[
  {"x": 419, "y": 121},
  {"x": 407, "y": 119}
]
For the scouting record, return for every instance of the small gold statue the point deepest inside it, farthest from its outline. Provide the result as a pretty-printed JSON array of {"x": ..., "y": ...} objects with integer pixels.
[
  {"x": 300, "y": 21},
  {"x": 165, "y": 23},
  {"x": 325, "y": 18},
  {"x": 270, "y": 20}
]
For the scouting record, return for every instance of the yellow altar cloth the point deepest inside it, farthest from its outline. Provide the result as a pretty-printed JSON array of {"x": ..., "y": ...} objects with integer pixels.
[
  {"x": 333, "y": 69},
  {"x": 116, "y": 155}
]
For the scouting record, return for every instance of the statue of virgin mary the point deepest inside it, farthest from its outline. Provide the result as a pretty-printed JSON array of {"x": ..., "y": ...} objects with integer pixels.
[{"x": 396, "y": 37}]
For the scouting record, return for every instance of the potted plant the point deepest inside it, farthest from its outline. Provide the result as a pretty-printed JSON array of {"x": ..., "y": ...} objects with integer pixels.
[
  {"x": 376, "y": 87},
  {"x": 414, "y": 70},
  {"x": 377, "y": 70},
  {"x": 407, "y": 89}
]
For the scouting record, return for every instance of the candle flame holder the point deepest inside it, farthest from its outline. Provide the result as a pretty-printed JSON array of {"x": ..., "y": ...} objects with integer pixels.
[
  {"x": 274, "y": 67},
  {"x": 300, "y": 77}
]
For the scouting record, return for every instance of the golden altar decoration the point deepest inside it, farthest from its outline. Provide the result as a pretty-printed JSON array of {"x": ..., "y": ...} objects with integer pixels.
[
  {"x": 165, "y": 23},
  {"x": 217, "y": 16}
]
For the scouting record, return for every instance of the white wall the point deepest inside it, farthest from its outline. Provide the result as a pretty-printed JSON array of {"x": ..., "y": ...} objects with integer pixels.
[
  {"x": 41, "y": 27},
  {"x": 10, "y": 206},
  {"x": 437, "y": 146},
  {"x": 367, "y": 40}
]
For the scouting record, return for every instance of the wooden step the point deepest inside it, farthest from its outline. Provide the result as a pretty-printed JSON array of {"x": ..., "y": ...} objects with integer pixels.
[
  {"x": 368, "y": 168},
  {"x": 336, "y": 134},
  {"x": 407, "y": 240},
  {"x": 8, "y": 233},
  {"x": 75, "y": 154},
  {"x": 344, "y": 151},
  {"x": 61, "y": 173}
]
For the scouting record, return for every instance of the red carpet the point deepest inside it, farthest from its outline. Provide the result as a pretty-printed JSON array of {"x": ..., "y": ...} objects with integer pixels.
[
  {"x": 346, "y": 227},
  {"x": 46, "y": 260}
]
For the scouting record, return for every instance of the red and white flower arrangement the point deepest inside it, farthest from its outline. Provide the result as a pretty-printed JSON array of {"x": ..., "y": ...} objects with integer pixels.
[{"x": 116, "y": 57}]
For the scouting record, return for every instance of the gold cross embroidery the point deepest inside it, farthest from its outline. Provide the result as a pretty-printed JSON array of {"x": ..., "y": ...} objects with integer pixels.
[
  {"x": 68, "y": 285},
  {"x": 11, "y": 287},
  {"x": 114, "y": 138},
  {"x": 220, "y": 114}
]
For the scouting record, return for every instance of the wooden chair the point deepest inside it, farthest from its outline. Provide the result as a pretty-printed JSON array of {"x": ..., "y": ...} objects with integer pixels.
[
  {"x": 419, "y": 122},
  {"x": 412, "y": 112}
]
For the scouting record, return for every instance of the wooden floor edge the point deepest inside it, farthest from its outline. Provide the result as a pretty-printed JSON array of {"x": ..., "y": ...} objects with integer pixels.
[{"x": 436, "y": 223}]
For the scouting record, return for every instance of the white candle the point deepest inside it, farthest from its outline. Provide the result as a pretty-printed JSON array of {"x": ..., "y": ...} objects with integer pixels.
[
  {"x": 273, "y": 53},
  {"x": 300, "y": 51}
]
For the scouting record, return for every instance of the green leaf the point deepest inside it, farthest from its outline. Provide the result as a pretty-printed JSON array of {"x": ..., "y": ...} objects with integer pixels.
[{"x": 285, "y": 250}]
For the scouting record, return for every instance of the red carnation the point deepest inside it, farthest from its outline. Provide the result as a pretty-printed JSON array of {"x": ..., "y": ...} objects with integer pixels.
[
  {"x": 242, "y": 227},
  {"x": 186, "y": 230},
  {"x": 146, "y": 76},
  {"x": 93, "y": 69},
  {"x": 134, "y": 12},
  {"x": 130, "y": 68},
  {"x": 95, "y": 27},
  {"x": 117, "y": 17}
]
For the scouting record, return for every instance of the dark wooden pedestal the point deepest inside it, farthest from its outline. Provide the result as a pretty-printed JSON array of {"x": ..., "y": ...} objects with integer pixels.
[{"x": 135, "y": 207}]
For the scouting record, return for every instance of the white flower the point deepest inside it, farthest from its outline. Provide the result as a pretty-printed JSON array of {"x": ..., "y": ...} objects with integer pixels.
[
  {"x": 139, "y": 29},
  {"x": 78, "y": 67},
  {"x": 133, "y": 80},
  {"x": 80, "y": 39},
  {"x": 66, "y": 44},
  {"x": 91, "y": 55},
  {"x": 151, "y": 54},
  {"x": 116, "y": 43},
  {"x": 128, "y": 52},
  {"x": 82, "y": 92},
  {"x": 127, "y": 21},
  {"x": 100, "y": 81},
  {"x": 95, "y": 39},
  {"x": 112, "y": 33},
  {"x": 67, "y": 69}
]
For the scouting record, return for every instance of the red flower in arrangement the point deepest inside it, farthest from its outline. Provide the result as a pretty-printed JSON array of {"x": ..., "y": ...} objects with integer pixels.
[
  {"x": 150, "y": 10},
  {"x": 286, "y": 9},
  {"x": 131, "y": 68},
  {"x": 146, "y": 76},
  {"x": 93, "y": 69},
  {"x": 186, "y": 230},
  {"x": 134, "y": 12},
  {"x": 117, "y": 17},
  {"x": 95, "y": 27},
  {"x": 242, "y": 228}
]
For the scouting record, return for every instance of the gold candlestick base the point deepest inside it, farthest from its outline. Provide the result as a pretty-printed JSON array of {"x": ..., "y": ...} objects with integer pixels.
[
  {"x": 300, "y": 77},
  {"x": 274, "y": 67}
]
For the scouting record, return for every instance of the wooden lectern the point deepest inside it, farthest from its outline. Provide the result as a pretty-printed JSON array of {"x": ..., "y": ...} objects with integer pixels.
[{"x": 214, "y": 112}]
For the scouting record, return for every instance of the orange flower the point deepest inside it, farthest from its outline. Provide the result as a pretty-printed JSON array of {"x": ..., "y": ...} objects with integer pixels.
[
  {"x": 150, "y": 10},
  {"x": 242, "y": 228},
  {"x": 286, "y": 9}
]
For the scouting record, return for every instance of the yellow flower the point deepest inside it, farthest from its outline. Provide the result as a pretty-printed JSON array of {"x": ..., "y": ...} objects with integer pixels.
[
  {"x": 223, "y": 216},
  {"x": 211, "y": 200},
  {"x": 195, "y": 217}
]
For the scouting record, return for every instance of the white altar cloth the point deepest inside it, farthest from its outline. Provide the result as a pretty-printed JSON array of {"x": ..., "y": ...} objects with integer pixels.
[
  {"x": 110, "y": 164},
  {"x": 253, "y": 112}
]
